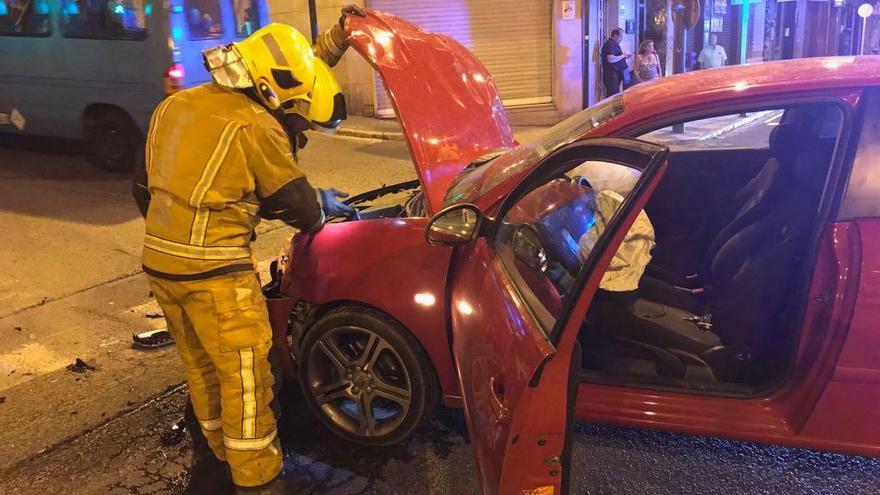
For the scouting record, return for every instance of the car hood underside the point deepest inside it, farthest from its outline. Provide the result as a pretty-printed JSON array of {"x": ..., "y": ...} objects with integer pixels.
[{"x": 447, "y": 102}]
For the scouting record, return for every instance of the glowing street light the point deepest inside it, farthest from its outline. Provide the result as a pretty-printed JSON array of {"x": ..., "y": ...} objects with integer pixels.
[{"x": 865, "y": 11}]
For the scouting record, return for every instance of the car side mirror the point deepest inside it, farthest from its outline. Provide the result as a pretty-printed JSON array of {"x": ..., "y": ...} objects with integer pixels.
[{"x": 457, "y": 224}]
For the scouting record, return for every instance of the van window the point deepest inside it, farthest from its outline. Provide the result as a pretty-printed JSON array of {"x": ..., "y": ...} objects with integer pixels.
[
  {"x": 247, "y": 17},
  {"x": 203, "y": 19},
  {"x": 104, "y": 19},
  {"x": 24, "y": 18}
]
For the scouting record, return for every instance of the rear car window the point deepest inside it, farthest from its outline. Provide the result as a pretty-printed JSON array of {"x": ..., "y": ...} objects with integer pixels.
[
  {"x": 247, "y": 17},
  {"x": 24, "y": 18},
  {"x": 203, "y": 19},
  {"x": 104, "y": 19}
]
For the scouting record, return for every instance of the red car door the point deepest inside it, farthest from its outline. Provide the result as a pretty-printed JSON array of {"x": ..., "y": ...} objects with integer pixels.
[{"x": 514, "y": 324}]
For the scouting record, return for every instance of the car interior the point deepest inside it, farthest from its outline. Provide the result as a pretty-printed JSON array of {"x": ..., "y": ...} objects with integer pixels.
[
  {"x": 718, "y": 302},
  {"x": 717, "y": 306}
]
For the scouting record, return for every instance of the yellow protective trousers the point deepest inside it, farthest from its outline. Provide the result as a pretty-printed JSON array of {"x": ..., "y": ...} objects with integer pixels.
[{"x": 221, "y": 328}]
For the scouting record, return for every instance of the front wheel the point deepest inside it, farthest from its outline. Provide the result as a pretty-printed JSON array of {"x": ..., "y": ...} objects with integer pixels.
[{"x": 365, "y": 377}]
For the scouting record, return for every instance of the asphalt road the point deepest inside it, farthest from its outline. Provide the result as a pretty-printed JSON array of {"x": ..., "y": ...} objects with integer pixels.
[
  {"x": 70, "y": 286},
  {"x": 132, "y": 454}
]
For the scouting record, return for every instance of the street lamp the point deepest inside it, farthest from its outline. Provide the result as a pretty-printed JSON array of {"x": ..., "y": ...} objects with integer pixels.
[{"x": 865, "y": 11}]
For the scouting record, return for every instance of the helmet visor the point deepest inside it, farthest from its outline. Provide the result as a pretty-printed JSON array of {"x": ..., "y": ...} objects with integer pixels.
[
  {"x": 227, "y": 68},
  {"x": 328, "y": 104}
]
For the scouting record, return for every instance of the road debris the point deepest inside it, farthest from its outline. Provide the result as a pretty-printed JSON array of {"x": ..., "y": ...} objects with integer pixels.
[
  {"x": 154, "y": 314},
  {"x": 80, "y": 366},
  {"x": 152, "y": 339},
  {"x": 175, "y": 434}
]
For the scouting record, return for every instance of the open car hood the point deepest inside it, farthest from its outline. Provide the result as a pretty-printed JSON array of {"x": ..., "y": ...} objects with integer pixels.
[{"x": 446, "y": 100}]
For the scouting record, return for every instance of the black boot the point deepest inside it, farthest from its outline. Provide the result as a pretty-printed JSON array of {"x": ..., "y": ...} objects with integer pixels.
[
  {"x": 210, "y": 476},
  {"x": 283, "y": 484}
]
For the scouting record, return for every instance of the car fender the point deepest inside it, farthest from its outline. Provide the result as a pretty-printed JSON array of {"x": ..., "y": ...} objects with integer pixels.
[{"x": 385, "y": 264}]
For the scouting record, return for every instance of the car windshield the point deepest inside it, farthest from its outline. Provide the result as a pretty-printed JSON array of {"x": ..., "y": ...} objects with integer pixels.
[{"x": 475, "y": 182}]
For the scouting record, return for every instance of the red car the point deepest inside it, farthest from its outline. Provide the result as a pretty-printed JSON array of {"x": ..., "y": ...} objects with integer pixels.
[{"x": 718, "y": 275}]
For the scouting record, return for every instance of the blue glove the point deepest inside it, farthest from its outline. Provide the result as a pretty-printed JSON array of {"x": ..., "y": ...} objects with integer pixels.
[{"x": 332, "y": 206}]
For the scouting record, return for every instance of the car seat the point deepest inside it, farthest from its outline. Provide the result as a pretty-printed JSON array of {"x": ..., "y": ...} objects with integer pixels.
[
  {"x": 739, "y": 321},
  {"x": 749, "y": 203}
]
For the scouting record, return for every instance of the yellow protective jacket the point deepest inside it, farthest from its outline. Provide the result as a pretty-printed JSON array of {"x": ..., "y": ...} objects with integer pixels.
[{"x": 216, "y": 162}]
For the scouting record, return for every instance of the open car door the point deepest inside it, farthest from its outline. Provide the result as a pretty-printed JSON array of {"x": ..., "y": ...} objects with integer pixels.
[{"x": 517, "y": 301}]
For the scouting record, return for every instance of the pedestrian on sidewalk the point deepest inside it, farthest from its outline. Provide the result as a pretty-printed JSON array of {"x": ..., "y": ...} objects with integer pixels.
[
  {"x": 219, "y": 157},
  {"x": 647, "y": 64},
  {"x": 613, "y": 63},
  {"x": 713, "y": 54}
]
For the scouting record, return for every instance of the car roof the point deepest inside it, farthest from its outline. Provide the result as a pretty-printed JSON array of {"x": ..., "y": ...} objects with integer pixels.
[{"x": 743, "y": 81}]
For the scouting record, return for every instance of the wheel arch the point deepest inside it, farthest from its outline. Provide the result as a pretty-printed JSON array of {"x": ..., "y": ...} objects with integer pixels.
[{"x": 91, "y": 112}]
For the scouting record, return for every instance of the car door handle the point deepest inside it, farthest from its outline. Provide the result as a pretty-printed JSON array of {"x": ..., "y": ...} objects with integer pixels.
[{"x": 497, "y": 400}]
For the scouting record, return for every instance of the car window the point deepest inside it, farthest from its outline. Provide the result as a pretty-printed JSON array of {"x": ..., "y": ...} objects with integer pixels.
[
  {"x": 247, "y": 17},
  {"x": 24, "y": 18},
  {"x": 545, "y": 238},
  {"x": 736, "y": 130},
  {"x": 104, "y": 19},
  {"x": 203, "y": 19}
]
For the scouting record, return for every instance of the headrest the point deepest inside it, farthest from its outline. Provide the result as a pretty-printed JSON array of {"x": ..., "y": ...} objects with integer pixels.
[
  {"x": 784, "y": 141},
  {"x": 810, "y": 166}
]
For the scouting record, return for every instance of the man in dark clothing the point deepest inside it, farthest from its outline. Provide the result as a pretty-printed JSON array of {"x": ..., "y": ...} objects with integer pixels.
[{"x": 613, "y": 63}]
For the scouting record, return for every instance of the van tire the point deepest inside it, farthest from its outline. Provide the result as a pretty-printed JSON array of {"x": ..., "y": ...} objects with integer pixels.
[{"x": 113, "y": 141}]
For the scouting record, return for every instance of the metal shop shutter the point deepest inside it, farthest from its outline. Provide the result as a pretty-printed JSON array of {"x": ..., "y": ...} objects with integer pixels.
[{"x": 512, "y": 39}]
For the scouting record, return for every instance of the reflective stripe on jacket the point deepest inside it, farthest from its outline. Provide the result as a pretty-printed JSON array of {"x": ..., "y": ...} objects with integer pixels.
[
  {"x": 216, "y": 161},
  {"x": 213, "y": 156}
]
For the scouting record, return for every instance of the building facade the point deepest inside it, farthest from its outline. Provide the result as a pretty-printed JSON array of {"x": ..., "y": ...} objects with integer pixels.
[{"x": 544, "y": 54}]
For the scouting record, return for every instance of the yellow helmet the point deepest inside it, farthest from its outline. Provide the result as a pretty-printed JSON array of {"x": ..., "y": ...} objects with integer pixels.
[{"x": 278, "y": 63}]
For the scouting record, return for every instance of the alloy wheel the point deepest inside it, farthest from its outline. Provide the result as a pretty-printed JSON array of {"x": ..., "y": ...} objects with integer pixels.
[{"x": 359, "y": 381}]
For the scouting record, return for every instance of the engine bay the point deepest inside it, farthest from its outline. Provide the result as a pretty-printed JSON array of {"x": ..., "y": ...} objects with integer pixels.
[{"x": 402, "y": 200}]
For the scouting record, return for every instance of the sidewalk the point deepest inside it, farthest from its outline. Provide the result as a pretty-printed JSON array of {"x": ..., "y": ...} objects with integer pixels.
[{"x": 700, "y": 133}]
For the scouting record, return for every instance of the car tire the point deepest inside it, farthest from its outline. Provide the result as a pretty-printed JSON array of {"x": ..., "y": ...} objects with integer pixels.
[
  {"x": 113, "y": 141},
  {"x": 398, "y": 363}
]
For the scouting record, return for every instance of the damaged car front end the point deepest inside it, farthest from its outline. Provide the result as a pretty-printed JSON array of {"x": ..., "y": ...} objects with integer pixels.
[{"x": 370, "y": 283}]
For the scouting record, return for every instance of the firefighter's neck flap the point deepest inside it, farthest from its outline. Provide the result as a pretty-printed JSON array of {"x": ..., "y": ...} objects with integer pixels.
[{"x": 227, "y": 67}]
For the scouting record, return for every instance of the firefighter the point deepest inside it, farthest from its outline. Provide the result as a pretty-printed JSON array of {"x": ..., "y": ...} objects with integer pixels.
[{"x": 219, "y": 157}]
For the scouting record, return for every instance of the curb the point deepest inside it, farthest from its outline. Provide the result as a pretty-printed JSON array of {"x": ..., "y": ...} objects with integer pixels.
[
  {"x": 736, "y": 125},
  {"x": 370, "y": 134}
]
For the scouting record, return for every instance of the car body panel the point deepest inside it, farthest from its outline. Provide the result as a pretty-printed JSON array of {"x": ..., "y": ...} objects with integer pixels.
[
  {"x": 384, "y": 264},
  {"x": 445, "y": 98},
  {"x": 805, "y": 411},
  {"x": 494, "y": 366}
]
